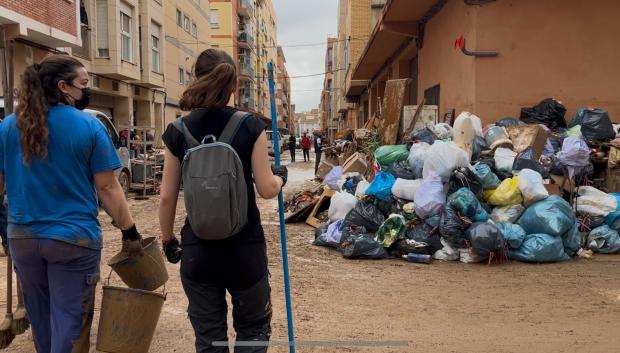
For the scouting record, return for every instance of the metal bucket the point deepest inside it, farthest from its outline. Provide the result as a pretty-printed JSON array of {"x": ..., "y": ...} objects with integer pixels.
[
  {"x": 146, "y": 272},
  {"x": 496, "y": 137},
  {"x": 128, "y": 320}
]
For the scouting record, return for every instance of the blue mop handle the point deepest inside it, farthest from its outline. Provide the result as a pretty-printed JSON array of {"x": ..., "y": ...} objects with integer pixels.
[{"x": 276, "y": 149}]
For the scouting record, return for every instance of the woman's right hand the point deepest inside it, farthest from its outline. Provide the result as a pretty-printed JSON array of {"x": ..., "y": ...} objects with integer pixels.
[{"x": 172, "y": 249}]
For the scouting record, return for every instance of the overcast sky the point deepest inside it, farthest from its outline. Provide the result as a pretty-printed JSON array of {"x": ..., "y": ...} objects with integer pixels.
[{"x": 303, "y": 22}]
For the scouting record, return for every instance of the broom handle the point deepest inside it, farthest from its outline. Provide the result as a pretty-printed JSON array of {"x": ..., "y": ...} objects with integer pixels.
[{"x": 9, "y": 284}]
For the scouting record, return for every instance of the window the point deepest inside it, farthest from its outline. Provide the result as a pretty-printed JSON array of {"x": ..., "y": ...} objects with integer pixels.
[
  {"x": 215, "y": 19},
  {"x": 194, "y": 29},
  {"x": 179, "y": 18},
  {"x": 155, "y": 47},
  {"x": 186, "y": 23},
  {"x": 181, "y": 75},
  {"x": 103, "y": 48},
  {"x": 188, "y": 78},
  {"x": 126, "y": 34}
]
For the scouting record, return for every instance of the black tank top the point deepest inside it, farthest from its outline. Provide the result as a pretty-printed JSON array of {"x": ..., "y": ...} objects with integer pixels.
[{"x": 239, "y": 261}]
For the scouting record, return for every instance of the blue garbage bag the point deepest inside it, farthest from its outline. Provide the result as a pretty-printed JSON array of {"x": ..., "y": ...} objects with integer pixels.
[
  {"x": 604, "y": 240},
  {"x": 464, "y": 201},
  {"x": 540, "y": 248},
  {"x": 513, "y": 234},
  {"x": 572, "y": 240},
  {"x": 614, "y": 216},
  {"x": 381, "y": 187},
  {"x": 490, "y": 181},
  {"x": 552, "y": 216}
]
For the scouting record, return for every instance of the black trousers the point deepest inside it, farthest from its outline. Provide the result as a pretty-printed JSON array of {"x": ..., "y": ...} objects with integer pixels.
[
  {"x": 306, "y": 155},
  {"x": 292, "y": 153},
  {"x": 208, "y": 312},
  {"x": 317, "y": 163}
]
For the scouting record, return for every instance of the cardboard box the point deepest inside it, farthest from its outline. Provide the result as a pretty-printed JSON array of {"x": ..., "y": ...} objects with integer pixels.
[
  {"x": 320, "y": 206},
  {"x": 324, "y": 168},
  {"x": 355, "y": 163},
  {"x": 531, "y": 135}
]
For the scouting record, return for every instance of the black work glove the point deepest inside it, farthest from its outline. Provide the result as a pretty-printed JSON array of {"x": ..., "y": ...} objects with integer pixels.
[
  {"x": 173, "y": 250},
  {"x": 281, "y": 171},
  {"x": 132, "y": 241}
]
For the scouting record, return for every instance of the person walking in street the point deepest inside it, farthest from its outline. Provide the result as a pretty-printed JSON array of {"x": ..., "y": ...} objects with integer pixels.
[
  {"x": 318, "y": 145},
  {"x": 305, "y": 146},
  {"x": 236, "y": 264},
  {"x": 292, "y": 146},
  {"x": 52, "y": 181}
]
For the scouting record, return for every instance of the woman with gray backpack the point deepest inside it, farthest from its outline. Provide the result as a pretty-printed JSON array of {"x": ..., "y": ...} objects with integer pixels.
[{"x": 220, "y": 155}]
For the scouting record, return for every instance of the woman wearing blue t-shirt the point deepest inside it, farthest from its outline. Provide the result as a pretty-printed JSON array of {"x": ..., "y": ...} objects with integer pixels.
[{"x": 54, "y": 161}]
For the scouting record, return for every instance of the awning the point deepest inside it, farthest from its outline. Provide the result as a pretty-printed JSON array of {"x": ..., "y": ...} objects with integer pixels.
[{"x": 397, "y": 27}]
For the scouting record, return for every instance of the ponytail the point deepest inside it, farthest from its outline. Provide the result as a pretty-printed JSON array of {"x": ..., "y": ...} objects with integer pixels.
[
  {"x": 216, "y": 77},
  {"x": 39, "y": 90}
]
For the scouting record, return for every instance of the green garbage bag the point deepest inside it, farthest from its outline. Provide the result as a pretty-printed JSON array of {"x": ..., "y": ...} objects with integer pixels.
[
  {"x": 391, "y": 230},
  {"x": 386, "y": 156}
]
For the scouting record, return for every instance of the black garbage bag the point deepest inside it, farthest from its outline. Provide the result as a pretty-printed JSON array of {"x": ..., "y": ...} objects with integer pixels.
[
  {"x": 365, "y": 214},
  {"x": 479, "y": 145},
  {"x": 362, "y": 246},
  {"x": 549, "y": 112},
  {"x": 508, "y": 122},
  {"x": 320, "y": 236},
  {"x": 485, "y": 238},
  {"x": 616, "y": 225},
  {"x": 402, "y": 170},
  {"x": 452, "y": 227},
  {"x": 388, "y": 206},
  {"x": 595, "y": 124},
  {"x": 322, "y": 229},
  {"x": 423, "y": 135},
  {"x": 427, "y": 234},
  {"x": 464, "y": 177},
  {"x": 527, "y": 160}
]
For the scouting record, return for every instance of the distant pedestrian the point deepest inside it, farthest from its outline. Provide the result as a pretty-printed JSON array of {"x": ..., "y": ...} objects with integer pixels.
[
  {"x": 292, "y": 146},
  {"x": 318, "y": 148},
  {"x": 305, "y": 146}
]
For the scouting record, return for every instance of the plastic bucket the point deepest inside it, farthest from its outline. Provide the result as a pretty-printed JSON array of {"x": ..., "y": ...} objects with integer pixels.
[
  {"x": 146, "y": 272},
  {"x": 496, "y": 137},
  {"x": 128, "y": 319}
]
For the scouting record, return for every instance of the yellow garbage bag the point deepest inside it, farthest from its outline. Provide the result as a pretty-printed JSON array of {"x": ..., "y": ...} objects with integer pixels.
[{"x": 506, "y": 194}]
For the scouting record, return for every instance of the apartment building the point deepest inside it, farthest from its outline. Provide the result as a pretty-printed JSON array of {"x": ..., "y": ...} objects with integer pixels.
[
  {"x": 356, "y": 20},
  {"x": 247, "y": 30},
  {"x": 283, "y": 101},
  {"x": 308, "y": 122},
  {"x": 327, "y": 117},
  {"x": 493, "y": 58}
]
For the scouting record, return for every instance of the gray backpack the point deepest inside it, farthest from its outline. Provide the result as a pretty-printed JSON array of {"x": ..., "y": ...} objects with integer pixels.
[{"x": 216, "y": 195}]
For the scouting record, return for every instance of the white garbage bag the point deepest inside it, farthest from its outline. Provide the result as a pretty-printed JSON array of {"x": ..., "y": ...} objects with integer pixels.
[
  {"x": 532, "y": 186},
  {"x": 445, "y": 157},
  {"x": 340, "y": 205},
  {"x": 594, "y": 203},
  {"x": 504, "y": 159},
  {"x": 507, "y": 214},
  {"x": 447, "y": 253},
  {"x": 443, "y": 131},
  {"x": 418, "y": 153},
  {"x": 430, "y": 197},
  {"x": 360, "y": 191},
  {"x": 406, "y": 189},
  {"x": 331, "y": 179},
  {"x": 575, "y": 152}
]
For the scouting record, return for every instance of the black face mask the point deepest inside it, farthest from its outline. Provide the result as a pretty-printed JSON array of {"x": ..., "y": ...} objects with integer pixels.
[{"x": 82, "y": 103}]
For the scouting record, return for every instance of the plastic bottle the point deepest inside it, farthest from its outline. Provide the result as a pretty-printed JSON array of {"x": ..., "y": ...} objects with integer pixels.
[{"x": 418, "y": 258}]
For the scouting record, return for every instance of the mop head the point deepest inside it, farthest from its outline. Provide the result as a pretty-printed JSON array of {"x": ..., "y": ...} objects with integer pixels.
[
  {"x": 6, "y": 333},
  {"x": 20, "y": 322}
]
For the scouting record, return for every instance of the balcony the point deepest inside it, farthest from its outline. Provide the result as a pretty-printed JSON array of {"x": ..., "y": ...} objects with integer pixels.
[
  {"x": 247, "y": 101},
  {"x": 246, "y": 8},
  {"x": 246, "y": 40},
  {"x": 83, "y": 51},
  {"x": 246, "y": 71}
]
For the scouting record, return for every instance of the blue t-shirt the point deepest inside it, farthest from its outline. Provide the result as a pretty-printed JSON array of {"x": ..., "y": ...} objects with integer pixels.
[{"x": 55, "y": 198}]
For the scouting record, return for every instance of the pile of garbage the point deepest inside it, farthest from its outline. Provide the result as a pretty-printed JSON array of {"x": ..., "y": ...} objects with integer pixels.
[{"x": 520, "y": 189}]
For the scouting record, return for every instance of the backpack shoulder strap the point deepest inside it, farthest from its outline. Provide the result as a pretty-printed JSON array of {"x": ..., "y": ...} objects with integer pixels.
[
  {"x": 232, "y": 127},
  {"x": 179, "y": 124}
]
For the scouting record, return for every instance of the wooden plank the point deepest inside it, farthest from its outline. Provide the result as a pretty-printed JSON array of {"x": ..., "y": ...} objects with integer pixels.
[
  {"x": 392, "y": 107},
  {"x": 326, "y": 197}
]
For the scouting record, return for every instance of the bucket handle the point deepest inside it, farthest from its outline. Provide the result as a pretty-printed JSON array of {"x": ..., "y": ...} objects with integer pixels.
[{"x": 164, "y": 293}]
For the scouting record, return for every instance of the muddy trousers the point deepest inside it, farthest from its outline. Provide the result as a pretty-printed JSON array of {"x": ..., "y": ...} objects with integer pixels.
[
  {"x": 58, "y": 281},
  {"x": 317, "y": 163},
  {"x": 208, "y": 312}
]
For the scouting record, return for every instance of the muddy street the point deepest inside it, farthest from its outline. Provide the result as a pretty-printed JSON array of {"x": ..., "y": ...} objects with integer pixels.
[{"x": 395, "y": 306}]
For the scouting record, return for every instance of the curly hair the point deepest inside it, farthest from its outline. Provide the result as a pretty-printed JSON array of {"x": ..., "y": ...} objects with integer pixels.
[
  {"x": 216, "y": 77},
  {"x": 39, "y": 90}
]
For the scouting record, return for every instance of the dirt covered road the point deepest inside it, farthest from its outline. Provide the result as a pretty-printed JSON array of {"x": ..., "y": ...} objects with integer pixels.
[{"x": 395, "y": 306}]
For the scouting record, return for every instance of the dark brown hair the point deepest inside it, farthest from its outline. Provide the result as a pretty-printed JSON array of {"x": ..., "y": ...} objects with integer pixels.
[
  {"x": 39, "y": 89},
  {"x": 216, "y": 76}
]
